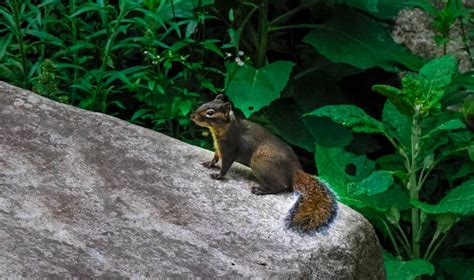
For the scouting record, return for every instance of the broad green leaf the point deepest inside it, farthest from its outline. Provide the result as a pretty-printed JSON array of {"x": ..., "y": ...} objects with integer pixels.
[
  {"x": 392, "y": 162},
  {"x": 464, "y": 80},
  {"x": 396, "y": 96},
  {"x": 379, "y": 181},
  {"x": 361, "y": 42},
  {"x": 251, "y": 89},
  {"x": 444, "y": 223},
  {"x": 406, "y": 270},
  {"x": 342, "y": 170},
  {"x": 466, "y": 169},
  {"x": 349, "y": 116},
  {"x": 439, "y": 71},
  {"x": 185, "y": 107},
  {"x": 387, "y": 90},
  {"x": 459, "y": 200},
  {"x": 385, "y": 9},
  {"x": 397, "y": 125},
  {"x": 307, "y": 93},
  {"x": 446, "y": 126},
  {"x": 365, "y": 5},
  {"x": 389, "y": 8},
  {"x": 395, "y": 196}
]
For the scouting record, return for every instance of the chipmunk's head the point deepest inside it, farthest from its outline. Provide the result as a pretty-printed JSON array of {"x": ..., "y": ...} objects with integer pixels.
[{"x": 214, "y": 113}]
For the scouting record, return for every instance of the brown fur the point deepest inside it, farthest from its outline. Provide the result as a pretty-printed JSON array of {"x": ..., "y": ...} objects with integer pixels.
[
  {"x": 316, "y": 208},
  {"x": 273, "y": 162}
]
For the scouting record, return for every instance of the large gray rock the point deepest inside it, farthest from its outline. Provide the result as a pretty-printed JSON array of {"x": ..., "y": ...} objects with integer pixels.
[
  {"x": 414, "y": 28},
  {"x": 87, "y": 195}
]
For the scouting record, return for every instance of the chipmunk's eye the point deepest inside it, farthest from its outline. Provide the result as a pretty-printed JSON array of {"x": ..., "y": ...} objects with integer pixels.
[{"x": 210, "y": 113}]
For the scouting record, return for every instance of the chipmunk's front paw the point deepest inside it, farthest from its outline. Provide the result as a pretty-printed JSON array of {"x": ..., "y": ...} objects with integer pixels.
[
  {"x": 259, "y": 191},
  {"x": 217, "y": 176},
  {"x": 209, "y": 164}
]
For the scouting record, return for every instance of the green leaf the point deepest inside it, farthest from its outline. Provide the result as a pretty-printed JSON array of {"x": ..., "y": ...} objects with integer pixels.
[
  {"x": 185, "y": 107},
  {"x": 341, "y": 169},
  {"x": 86, "y": 8},
  {"x": 251, "y": 89},
  {"x": 365, "y": 5},
  {"x": 379, "y": 181},
  {"x": 406, "y": 270},
  {"x": 349, "y": 116},
  {"x": 304, "y": 132},
  {"x": 397, "y": 125},
  {"x": 439, "y": 71},
  {"x": 447, "y": 126},
  {"x": 44, "y": 36},
  {"x": 385, "y": 9},
  {"x": 470, "y": 151},
  {"x": 361, "y": 42},
  {"x": 459, "y": 200},
  {"x": 4, "y": 43},
  {"x": 212, "y": 47},
  {"x": 138, "y": 114},
  {"x": 444, "y": 223},
  {"x": 394, "y": 197}
]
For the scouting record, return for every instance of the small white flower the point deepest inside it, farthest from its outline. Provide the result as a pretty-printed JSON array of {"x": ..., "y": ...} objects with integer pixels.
[
  {"x": 241, "y": 53},
  {"x": 228, "y": 54},
  {"x": 154, "y": 62},
  {"x": 239, "y": 61},
  {"x": 145, "y": 52}
]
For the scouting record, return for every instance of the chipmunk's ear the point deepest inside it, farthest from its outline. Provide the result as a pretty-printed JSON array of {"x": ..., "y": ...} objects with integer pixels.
[
  {"x": 219, "y": 97},
  {"x": 227, "y": 107},
  {"x": 228, "y": 112}
]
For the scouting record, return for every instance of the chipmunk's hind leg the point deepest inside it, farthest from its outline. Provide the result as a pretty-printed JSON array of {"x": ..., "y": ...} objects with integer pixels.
[{"x": 273, "y": 175}]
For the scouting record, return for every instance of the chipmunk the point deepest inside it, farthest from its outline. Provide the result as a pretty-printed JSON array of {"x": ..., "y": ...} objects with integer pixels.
[{"x": 273, "y": 163}]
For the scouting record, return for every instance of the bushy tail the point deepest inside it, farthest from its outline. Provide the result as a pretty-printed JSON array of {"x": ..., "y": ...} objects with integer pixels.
[{"x": 315, "y": 208}]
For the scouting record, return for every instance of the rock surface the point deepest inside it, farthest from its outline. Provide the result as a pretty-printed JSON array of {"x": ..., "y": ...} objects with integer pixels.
[
  {"x": 414, "y": 28},
  {"x": 87, "y": 195}
]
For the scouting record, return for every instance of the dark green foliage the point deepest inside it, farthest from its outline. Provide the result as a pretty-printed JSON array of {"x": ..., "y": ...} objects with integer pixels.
[
  {"x": 143, "y": 61},
  {"x": 307, "y": 69},
  {"x": 425, "y": 137}
]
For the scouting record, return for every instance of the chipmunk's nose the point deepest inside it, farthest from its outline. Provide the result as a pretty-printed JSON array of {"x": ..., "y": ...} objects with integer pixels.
[{"x": 193, "y": 116}]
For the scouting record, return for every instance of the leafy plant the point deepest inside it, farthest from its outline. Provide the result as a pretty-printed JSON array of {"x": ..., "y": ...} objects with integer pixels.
[{"x": 397, "y": 191}]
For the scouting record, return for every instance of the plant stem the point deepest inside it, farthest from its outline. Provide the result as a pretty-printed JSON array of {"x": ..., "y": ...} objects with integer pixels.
[
  {"x": 464, "y": 37},
  {"x": 21, "y": 43},
  {"x": 293, "y": 26},
  {"x": 412, "y": 185},
  {"x": 436, "y": 247},
  {"x": 107, "y": 53},
  {"x": 290, "y": 13},
  {"x": 404, "y": 239},
  {"x": 72, "y": 9},
  {"x": 392, "y": 239},
  {"x": 246, "y": 19},
  {"x": 263, "y": 36}
]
